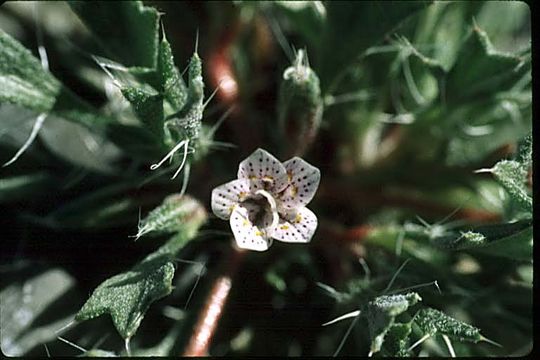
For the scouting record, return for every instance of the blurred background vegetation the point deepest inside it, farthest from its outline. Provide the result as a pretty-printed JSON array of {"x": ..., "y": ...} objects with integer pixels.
[{"x": 404, "y": 102}]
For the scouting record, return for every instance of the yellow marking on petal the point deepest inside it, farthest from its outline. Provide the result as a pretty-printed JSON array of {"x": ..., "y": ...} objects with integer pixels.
[
  {"x": 258, "y": 233},
  {"x": 242, "y": 195},
  {"x": 252, "y": 177},
  {"x": 284, "y": 227},
  {"x": 231, "y": 208},
  {"x": 245, "y": 223},
  {"x": 294, "y": 190},
  {"x": 298, "y": 218},
  {"x": 268, "y": 178},
  {"x": 289, "y": 176}
]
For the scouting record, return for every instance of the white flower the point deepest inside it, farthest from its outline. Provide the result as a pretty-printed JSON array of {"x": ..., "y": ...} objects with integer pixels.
[{"x": 268, "y": 201}]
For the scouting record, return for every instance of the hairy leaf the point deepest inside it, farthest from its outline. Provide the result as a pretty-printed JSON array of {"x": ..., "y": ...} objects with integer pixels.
[
  {"x": 432, "y": 321},
  {"x": 396, "y": 341},
  {"x": 175, "y": 214},
  {"x": 148, "y": 106},
  {"x": 171, "y": 84},
  {"x": 358, "y": 25},
  {"x": 480, "y": 68},
  {"x": 512, "y": 240},
  {"x": 512, "y": 176},
  {"x": 127, "y": 296},
  {"x": 127, "y": 29},
  {"x": 24, "y": 82},
  {"x": 381, "y": 314}
]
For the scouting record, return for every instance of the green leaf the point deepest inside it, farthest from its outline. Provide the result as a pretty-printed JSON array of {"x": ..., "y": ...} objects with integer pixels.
[
  {"x": 110, "y": 206},
  {"x": 127, "y": 296},
  {"x": 518, "y": 246},
  {"x": 171, "y": 84},
  {"x": 28, "y": 186},
  {"x": 24, "y": 82},
  {"x": 187, "y": 123},
  {"x": 175, "y": 214},
  {"x": 512, "y": 176},
  {"x": 78, "y": 145},
  {"x": 36, "y": 301},
  {"x": 306, "y": 17},
  {"x": 396, "y": 341},
  {"x": 444, "y": 24},
  {"x": 512, "y": 240},
  {"x": 148, "y": 105},
  {"x": 126, "y": 29},
  {"x": 480, "y": 68},
  {"x": 357, "y": 25},
  {"x": 381, "y": 314},
  {"x": 524, "y": 155},
  {"x": 432, "y": 321},
  {"x": 136, "y": 141}
]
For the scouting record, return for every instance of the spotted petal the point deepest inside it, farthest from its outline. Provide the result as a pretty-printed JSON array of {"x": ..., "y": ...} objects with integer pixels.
[
  {"x": 246, "y": 233},
  {"x": 296, "y": 226},
  {"x": 265, "y": 170},
  {"x": 227, "y": 196},
  {"x": 303, "y": 183}
]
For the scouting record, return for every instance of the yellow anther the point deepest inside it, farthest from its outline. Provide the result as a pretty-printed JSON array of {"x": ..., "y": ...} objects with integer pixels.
[
  {"x": 242, "y": 195},
  {"x": 298, "y": 218},
  {"x": 284, "y": 227},
  {"x": 268, "y": 178}
]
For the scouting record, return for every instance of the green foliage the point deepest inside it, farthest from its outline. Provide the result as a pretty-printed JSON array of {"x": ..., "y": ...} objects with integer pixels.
[
  {"x": 175, "y": 214},
  {"x": 127, "y": 296},
  {"x": 432, "y": 321},
  {"x": 127, "y": 29},
  {"x": 344, "y": 26},
  {"x": 381, "y": 314},
  {"x": 18, "y": 187},
  {"x": 27, "y": 84},
  {"x": 397, "y": 339},
  {"x": 512, "y": 240}
]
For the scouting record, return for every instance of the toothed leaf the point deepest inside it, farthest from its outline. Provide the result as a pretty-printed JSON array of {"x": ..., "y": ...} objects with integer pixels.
[
  {"x": 358, "y": 25},
  {"x": 127, "y": 296},
  {"x": 381, "y": 314},
  {"x": 432, "y": 321}
]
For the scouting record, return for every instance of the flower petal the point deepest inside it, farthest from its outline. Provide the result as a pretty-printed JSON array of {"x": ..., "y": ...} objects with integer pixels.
[
  {"x": 264, "y": 169},
  {"x": 296, "y": 226},
  {"x": 303, "y": 183},
  {"x": 247, "y": 235},
  {"x": 226, "y": 196}
]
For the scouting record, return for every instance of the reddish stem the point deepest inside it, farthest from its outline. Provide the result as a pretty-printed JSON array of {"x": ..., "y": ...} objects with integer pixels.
[{"x": 206, "y": 325}]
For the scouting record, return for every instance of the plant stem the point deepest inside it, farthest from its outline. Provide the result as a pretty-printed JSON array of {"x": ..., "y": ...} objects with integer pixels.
[{"x": 210, "y": 314}]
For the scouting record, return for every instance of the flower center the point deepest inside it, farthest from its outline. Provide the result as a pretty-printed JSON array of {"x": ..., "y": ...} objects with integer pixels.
[{"x": 266, "y": 217}]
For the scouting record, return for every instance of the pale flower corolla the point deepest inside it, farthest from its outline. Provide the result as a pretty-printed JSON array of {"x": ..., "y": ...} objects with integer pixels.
[{"x": 268, "y": 201}]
